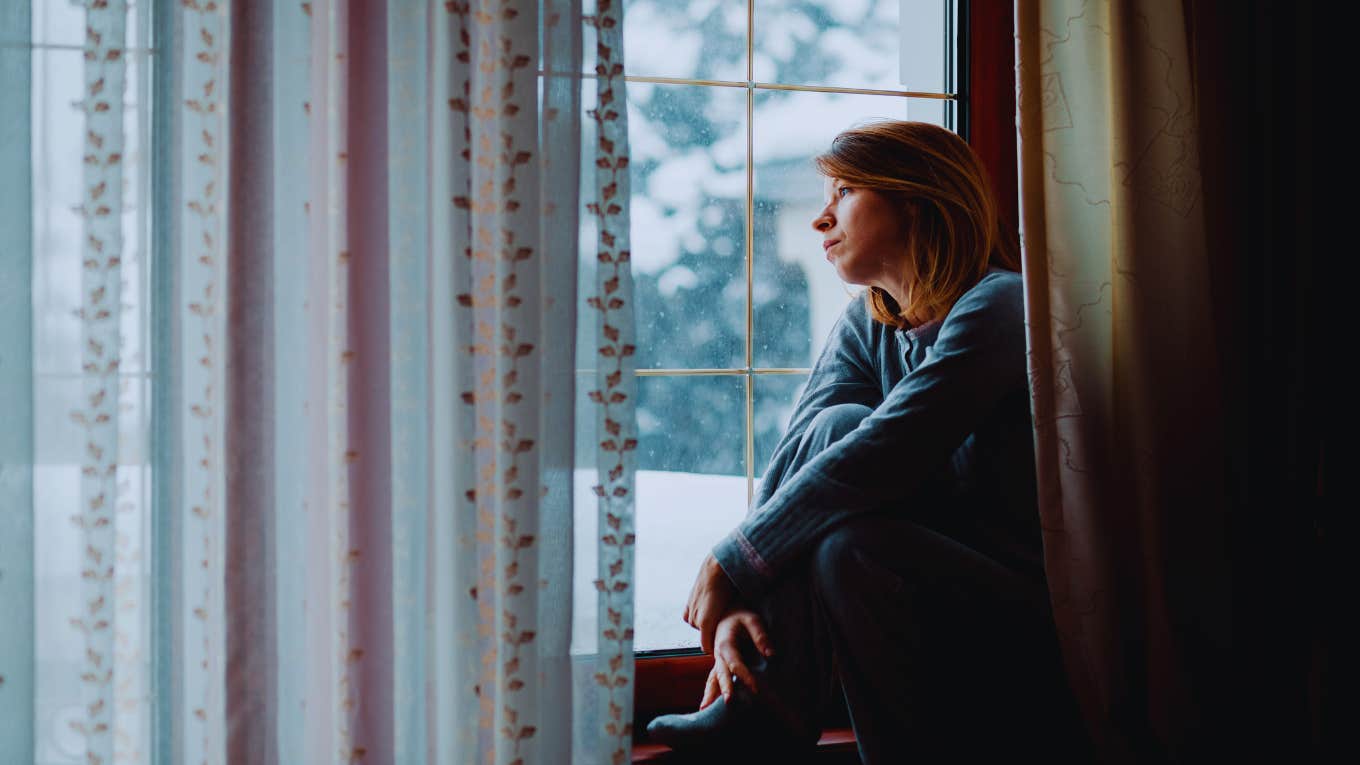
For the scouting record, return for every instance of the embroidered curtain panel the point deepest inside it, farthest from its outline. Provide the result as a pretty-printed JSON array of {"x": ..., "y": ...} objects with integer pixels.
[{"x": 287, "y": 456}]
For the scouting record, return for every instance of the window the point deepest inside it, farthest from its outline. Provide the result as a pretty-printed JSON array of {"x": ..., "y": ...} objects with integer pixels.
[{"x": 727, "y": 104}]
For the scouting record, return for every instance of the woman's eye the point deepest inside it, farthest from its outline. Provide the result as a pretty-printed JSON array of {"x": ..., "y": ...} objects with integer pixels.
[{"x": 843, "y": 188}]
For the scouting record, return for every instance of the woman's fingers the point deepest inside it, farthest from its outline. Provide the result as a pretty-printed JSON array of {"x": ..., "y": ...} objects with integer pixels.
[
  {"x": 737, "y": 667},
  {"x": 728, "y": 647},
  {"x": 724, "y": 677},
  {"x": 759, "y": 637},
  {"x": 711, "y": 689}
]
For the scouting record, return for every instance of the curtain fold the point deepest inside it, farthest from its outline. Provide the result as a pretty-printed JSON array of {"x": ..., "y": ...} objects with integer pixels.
[
  {"x": 1123, "y": 366},
  {"x": 367, "y": 395}
]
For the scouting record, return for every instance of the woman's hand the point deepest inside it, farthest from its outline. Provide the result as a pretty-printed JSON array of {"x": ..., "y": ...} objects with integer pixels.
[
  {"x": 709, "y": 600},
  {"x": 732, "y": 631}
]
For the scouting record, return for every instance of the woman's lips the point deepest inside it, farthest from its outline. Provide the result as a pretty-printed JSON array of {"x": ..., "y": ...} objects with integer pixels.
[{"x": 828, "y": 249}]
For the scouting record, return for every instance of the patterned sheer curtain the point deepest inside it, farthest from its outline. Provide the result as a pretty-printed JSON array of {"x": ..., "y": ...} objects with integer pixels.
[
  {"x": 1124, "y": 370},
  {"x": 292, "y": 369}
]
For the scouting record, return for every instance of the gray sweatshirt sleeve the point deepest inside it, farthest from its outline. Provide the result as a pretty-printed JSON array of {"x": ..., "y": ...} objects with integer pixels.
[{"x": 977, "y": 359}]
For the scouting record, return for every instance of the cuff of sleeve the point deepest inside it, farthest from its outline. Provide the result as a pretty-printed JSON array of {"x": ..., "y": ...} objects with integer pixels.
[{"x": 743, "y": 565}]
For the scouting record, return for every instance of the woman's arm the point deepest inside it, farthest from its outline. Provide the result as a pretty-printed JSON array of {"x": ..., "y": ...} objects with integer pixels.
[
  {"x": 843, "y": 373},
  {"x": 978, "y": 357}
]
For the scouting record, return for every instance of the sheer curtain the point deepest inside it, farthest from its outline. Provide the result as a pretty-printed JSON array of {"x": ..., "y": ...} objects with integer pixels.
[
  {"x": 288, "y": 451},
  {"x": 1124, "y": 371}
]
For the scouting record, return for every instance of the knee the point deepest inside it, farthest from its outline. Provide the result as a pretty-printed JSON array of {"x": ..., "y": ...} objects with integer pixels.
[
  {"x": 839, "y": 563},
  {"x": 833, "y": 557},
  {"x": 832, "y": 423}
]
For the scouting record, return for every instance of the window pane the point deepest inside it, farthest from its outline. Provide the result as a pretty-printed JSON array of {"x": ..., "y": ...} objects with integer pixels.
[
  {"x": 672, "y": 540},
  {"x": 797, "y": 295},
  {"x": 688, "y": 39},
  {"x": 775, "y": 397},
  {"x": 853, "y": 44},
  {"x": 692, "y": 424},
  {"x": 688, "y": 175}
]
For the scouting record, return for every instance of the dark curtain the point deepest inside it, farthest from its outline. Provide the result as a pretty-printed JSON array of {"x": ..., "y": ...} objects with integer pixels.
[{"x": 1263, "y": 98}]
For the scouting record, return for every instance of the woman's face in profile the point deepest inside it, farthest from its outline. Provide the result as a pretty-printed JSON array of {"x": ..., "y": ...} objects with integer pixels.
[{"x": 866, "y": 234}]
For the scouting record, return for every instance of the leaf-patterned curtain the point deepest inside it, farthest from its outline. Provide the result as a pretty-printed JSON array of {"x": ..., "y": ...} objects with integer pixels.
[{"x": 289, "y": 457}]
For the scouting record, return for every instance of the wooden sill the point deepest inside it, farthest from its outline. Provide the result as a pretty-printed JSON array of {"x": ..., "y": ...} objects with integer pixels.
[{"x": 837, "y": 745}]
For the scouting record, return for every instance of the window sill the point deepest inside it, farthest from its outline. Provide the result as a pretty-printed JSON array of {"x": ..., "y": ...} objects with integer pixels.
[{"x": 837, "y": 745}]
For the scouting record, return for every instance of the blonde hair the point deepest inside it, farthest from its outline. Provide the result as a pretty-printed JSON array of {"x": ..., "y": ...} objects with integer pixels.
[{"x": 954, "y": 230}]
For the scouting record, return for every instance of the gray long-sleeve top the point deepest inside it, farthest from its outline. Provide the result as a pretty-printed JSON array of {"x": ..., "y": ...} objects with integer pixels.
[{"x": 949, "y": 443}]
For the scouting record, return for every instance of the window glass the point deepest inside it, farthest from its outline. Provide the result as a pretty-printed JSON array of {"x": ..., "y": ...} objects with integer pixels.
[
  {"x": 774, "y": 398},
  {"x": 854, "y": 44},
  {"x": 689, "y": 39}
]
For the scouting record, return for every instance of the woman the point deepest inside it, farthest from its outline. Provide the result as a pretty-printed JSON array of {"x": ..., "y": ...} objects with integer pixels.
[{"x": 894, "y": 543}]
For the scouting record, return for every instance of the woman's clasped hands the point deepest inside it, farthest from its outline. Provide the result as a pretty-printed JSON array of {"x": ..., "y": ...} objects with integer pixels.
[{"x": 723, "y": 630}]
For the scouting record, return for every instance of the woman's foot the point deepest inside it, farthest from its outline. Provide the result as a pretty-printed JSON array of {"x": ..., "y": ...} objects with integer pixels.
[{"x": 744, "y": 723}]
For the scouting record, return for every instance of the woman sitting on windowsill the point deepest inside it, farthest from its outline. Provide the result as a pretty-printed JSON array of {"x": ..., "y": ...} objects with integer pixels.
[{"x": 894, "y": 545}]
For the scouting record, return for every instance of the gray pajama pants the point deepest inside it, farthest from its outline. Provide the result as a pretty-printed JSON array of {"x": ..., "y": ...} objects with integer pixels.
[{"x": 942, "y": 653}]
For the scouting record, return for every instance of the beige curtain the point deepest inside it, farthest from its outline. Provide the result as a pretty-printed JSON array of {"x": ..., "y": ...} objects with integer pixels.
[{"x": 1123, "y": 366}]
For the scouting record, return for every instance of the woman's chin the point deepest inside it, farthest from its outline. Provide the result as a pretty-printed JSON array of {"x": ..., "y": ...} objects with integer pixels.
[{"x": 836, "y": 266}]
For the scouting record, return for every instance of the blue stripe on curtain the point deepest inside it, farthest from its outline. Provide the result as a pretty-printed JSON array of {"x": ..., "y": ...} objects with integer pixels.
[
  {"x": 409, "y": 280},
  {"x": 291, "y": 87},
  {"x": 164, "y": 586},
  {"x": 16, "y": 387}
]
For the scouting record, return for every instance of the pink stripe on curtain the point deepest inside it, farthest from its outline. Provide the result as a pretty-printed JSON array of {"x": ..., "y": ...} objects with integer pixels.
[
  {"x": 249, "y": 506},
  {"x": 370, "y": 398}
]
